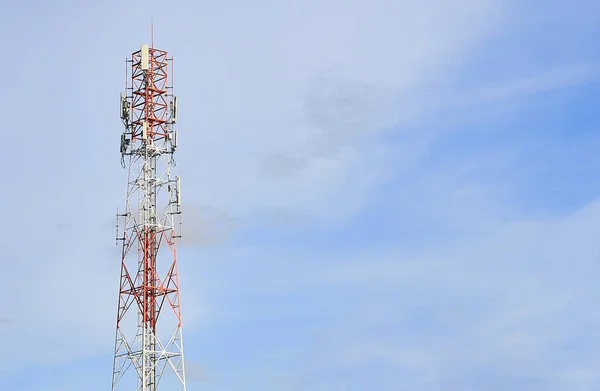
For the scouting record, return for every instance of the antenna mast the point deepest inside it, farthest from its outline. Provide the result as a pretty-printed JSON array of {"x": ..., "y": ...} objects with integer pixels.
[{"x": 149, "y": 327}]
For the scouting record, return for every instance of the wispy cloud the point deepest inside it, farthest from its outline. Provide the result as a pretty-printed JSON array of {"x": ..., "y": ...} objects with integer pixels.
[
  {"x": 544, "y": 81},
  {"x": 206, "y": 226},
  {"x": 5, "y": 320},
  {"x": 342, "y": 81},
  {"x": 477, "y": 305}
]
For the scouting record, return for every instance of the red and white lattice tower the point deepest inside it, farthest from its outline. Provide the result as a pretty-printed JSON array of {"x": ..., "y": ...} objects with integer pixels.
[{"x": 149, "y": 345}]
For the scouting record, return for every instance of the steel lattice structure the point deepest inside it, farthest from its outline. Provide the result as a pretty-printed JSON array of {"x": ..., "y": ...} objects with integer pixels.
[{"x": 148, "y": 341}]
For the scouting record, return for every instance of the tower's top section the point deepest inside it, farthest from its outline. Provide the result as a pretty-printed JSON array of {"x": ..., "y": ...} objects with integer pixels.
[{"x": 148, "y": 107}]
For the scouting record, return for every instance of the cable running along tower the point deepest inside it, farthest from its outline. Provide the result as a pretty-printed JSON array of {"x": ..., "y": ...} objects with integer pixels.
[{"x": 148, "y": 343}]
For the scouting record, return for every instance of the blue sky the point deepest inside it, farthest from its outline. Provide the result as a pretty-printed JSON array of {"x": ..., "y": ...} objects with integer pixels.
[{"x": 379, "y": 195}]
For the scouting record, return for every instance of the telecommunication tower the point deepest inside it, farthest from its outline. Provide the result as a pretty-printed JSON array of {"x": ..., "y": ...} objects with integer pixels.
[{"x": 148, "y": 342}]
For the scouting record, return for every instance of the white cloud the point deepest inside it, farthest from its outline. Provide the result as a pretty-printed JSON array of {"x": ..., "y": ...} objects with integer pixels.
[
  {"x": 547, "y": 80},
  {"x": 509, "y": 301},
  {"x": 263, "y": 99}
]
